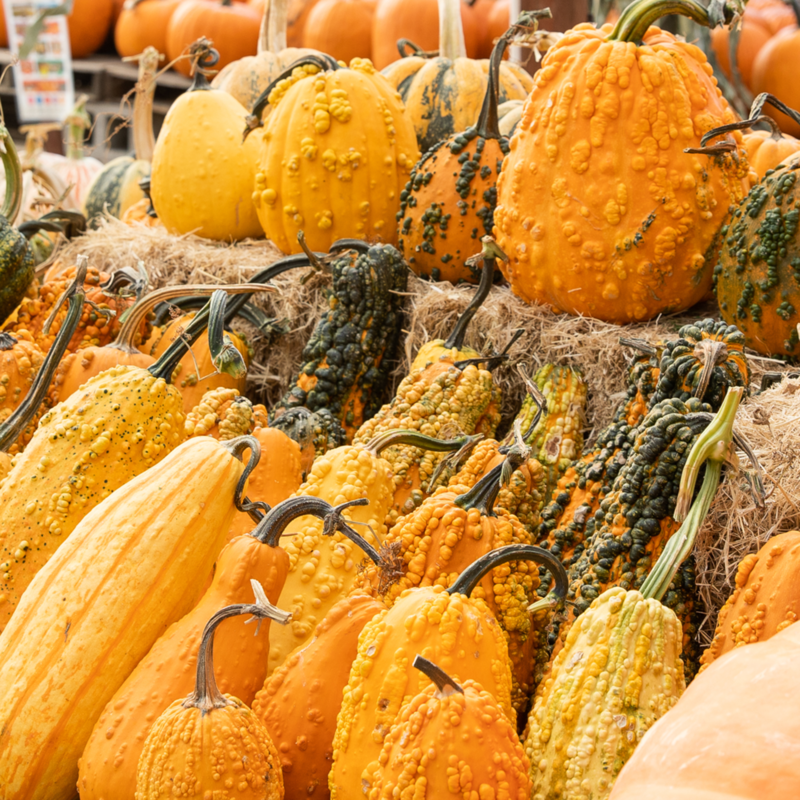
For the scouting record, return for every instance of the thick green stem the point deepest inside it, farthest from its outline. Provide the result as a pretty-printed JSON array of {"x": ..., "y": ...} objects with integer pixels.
[
  {"x": 451, "y": 31},
  {"x": 393, "y": 437},
  {"x": 483, "y": 494},
  {"x": 204, "y": 58},
  {"x": 639, "y": 16},
  {"x": 443, "y": 682},
  {"x": 225, "y": 357},
  {"x": 13, "y": 173}
]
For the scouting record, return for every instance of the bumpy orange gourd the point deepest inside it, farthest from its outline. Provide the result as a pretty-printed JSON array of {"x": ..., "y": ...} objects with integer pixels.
[
  {"x": 338, "y": 147},
  {"x": 451, "y": 739},
  {"x": 598, "y": 207},
  {"x": 765, "y": 601},
  {"x": 300, "y": 700},
  {"x": 211, "y": 743},
  {"x": 20, "y": 359},
  {"x": 132, "y": 567}
]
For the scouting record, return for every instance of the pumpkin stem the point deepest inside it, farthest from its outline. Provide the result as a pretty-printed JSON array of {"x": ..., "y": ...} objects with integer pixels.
[
  {"x": 7, "y": 341},
  {"x": 13, "y": 173},
  {"x": 144, "y": 141},
  {"x": 709, "y": 353},
  {"x": 272, "y": 37},
  {"x": 541, "y": 404},
  {"x": 204, "y": 57},
  {"x": 640, "y": 15},
  {"x": 639, "y": 344},
  {"x": 451, "y": 31},
  {"x": 26, "y": 410},
  {"x": 755, "y": 116},
  {"x": 206, "y": 695},
  {"x": 466, "y": 582},
  {"x": 443, "y": 682},
  {"x": 225, "y": 357},
  {"x": 392, "y": 437},
  {"x": 453, "y": 460},
  {"x": 493, "y": 361},
  {"x": 403, "y": 45},
  {"x": 484, "y": 493},
  {"x": 711, "y": 448}
]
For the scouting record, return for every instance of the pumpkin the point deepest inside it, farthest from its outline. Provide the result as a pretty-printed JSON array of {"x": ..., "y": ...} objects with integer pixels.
[
  {"x": 444, "y": 94},
  {"x": 765, "y": 600},
  {"x": 424, "y": 754},
  {"x": 143, "y": 553},
  {"x": 116, "y": 187},
  {"x": 510, "y": 113},
  {"x": 498, "y": 21},
  {"x": 133, "y": 418},
  {"x": 631, "y": 246},
  {"x": 729, "y": 719},
  {"x": 20, "y": 361},
  {"x": 341, "y": 28},
  {"x": 222, "y": 413},
  {"x": 753, "y": 35},
  {"x": 346, "y": 364},
  {"x": 213, "y": 167},
  {"x": 481, "y": 11},
  {"x": 142, "y": 24},
  {"x": 299, "y": 702},
  {"x": 756, "y": 269},
  {"x": 247, "y": 77},
  {"x": 198, "y": 739},
  {"x": 768, "y": 149},
  {"x": 419, "y": 25},
  {"x": 356, "y": 147},
  {"x": 443, "y": 625},
  {"x": 108, "y": 764},
  {"x": 88, "y": 23},
  {"x": 234, "y": 27}
]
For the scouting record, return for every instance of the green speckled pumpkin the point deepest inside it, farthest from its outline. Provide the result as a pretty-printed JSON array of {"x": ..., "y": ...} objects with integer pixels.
[{"x": 758, "y": 272}]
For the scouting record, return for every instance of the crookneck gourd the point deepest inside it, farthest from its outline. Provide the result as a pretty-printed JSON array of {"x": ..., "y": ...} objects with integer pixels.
[
  {"x": 121, "y": 423},
  {"x": 108, "y": 765},
  {"x": 443, "y": 93},
  {"x": 300, "y": 700},
  {"x": 209, "y": 739},
  {"x": 343, "y": 133},
  {"x": 133, "y": 566},
  {"x": 426, "y": 754},
  {"x": 21, "y": 359},
  {"x": 116, "y": 187},
  {"x": 443, "y": 625},
  {"x": 630, "y": 218}
]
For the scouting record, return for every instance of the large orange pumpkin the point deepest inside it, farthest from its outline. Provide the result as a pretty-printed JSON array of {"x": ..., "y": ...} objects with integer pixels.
[
  {"x": 88, "y": 25},
  {"x": 141, "y": 24},
  {"x": 775, "y": 71},
  {"x": 341, "y": 28},
  {"x": 753, "y": 35},
  {"x": 599, "y": 209},
  {"x": 774, "y": 14}
]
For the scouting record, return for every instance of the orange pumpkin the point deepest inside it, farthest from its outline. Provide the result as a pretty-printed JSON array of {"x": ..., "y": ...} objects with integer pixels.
[
  {"x": 234, "y": 28},
  {"x": 296, "y": 21},
  {"x": 498, "y": 21},
  {"x": 775, "y": 71},
  {"x": 143, "y": 23},
  {"x": 753, "y": 36},
  {"x": 775, "y": 15},
  {"x": 767, "y": 149},
  {"x": 341, "y": 28},
  {"x": 481, "y": 10},
  {"x": 88, "y": 25}
]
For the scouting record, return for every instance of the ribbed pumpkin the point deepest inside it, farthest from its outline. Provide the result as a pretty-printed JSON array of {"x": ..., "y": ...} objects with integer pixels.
[
  {"x": 630, "y": 218},
  {"x": 142, "y": 24},
  {"x": 753, "y": 35},
  {"x": 428, "y": 752},
  {"x": 200, "y": 154},
  {"x": 341, "y": 28},
  {"x": 209, "y": 735},
  {"x": 767, "y": 149},
  {"x": 444, "y": 94},
  {"x": 87, "y": 23},
  {"x": 246, "y": 78},
  {"x": 338, "y": 148},
  {"x": 143, "y": 555},
  {"x": 116, "y": 187},
  {"x": 300, "y": 700}
]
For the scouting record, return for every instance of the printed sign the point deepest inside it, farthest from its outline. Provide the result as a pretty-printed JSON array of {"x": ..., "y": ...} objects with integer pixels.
[{"x": 43, "y": 81}]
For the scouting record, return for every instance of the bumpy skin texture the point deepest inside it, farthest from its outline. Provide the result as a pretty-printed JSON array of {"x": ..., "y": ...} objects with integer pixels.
[
  {"x": 20, "y": 359},
  {"x": 619, "y": 672},
  {"x": 134, "y": 565},
  {"x": 444, "y": 96},
  {"x": 324, "y": 568},
  {"x": 438, "y": 400},
  {"x": 108, "y": 765},
  {"x": 16, "y": 267},
  {"x": 222, "y": 413},
  {"x": 629, "y": 218},
  {"x": 119, "y": 425},
  {"x": 458, "y": 634},
  {"x": 300, "y": 700},
  {"x": 347, "y": 362},
  {"x": 448, "y": 204},
  {"x": 765, "y": 601},
  {"x": 759, "y": 265},
  {"x": 766, "y": 150},
  {"x": 224, "y": 752},
  {"x": 338, "y": 148},
  {"x": 459, "y": 745}
]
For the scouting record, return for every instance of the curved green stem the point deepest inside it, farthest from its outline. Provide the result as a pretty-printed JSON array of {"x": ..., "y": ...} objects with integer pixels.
[
  {"x": 639, "y": 16},
  {"x": 227, "y": 360},
  {"x": 392, "y": 437},
  {"x": 483, "y": 494},
  {"x": 443, "y": 682},
  {"x": 13, "y": 172},
  {"x": 403, "y": 45},
  {"x": 204, "y": 58}
]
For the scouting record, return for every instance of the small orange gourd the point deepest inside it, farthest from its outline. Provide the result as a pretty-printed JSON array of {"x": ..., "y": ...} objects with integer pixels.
[{"x": 767, "y": 149}]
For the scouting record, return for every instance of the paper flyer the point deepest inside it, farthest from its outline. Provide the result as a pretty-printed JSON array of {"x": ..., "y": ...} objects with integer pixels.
[{"x": 43, "y": 81}]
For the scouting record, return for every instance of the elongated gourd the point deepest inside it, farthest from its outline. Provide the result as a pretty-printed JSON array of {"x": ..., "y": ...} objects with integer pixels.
[
  {"x": 120, "y": 424},
  {"x": 132, "y": 567},
  {"x": 108, "y": 764},
  {"x": 210, "y": 740}
]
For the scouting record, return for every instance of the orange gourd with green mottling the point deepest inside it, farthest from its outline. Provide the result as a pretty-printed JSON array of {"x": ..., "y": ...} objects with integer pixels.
[
  {"x": 133, "y": 566},
  {"x": 300, "y": 700},
  {"x": 599, "y": 208},
  {"x": 343, "y": 133},
  {"x": 444, "y": 94},
  {"x": 197, "y": 740}
]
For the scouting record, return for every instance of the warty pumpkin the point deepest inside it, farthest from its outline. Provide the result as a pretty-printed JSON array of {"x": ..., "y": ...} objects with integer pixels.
[
  {"x": 222, "y": 413},
  {"x": 20, "y": 361},
  {"x": 116, "y": 187},
  {"x": 143, "y": 553},
  {"x": 108, "y": 764},
  {"x": 142, "y": 24},
  {"x": 209, "y": 739},
  {"x": 444, "y": 94},
  {"x": 618, "y": 239},
  {"x": 443, "y": 625},
  {"x": 299, "y": 702},
  {"x": 199, "y": 153},
  {"x": 337, "y": 150},
  {"x": 427, "y": 753}
]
